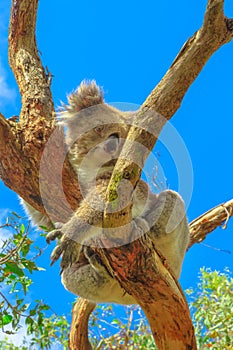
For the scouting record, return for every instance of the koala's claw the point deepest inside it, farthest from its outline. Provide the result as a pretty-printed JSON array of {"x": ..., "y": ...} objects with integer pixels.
[
  {"x": 56, "y": 253},
  {"x": 52, "y": 235},
  {"x": 71, "y": 253}
]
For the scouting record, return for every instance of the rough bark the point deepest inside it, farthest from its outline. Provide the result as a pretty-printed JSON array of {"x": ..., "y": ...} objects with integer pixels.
[
  {"x": 79, "y": 330},
  {"x": 156, "y": 290},
  {"x": 22, "y": 144}
]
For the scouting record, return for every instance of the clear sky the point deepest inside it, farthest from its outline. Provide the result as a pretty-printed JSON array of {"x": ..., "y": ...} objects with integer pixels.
[{"x": 127, "y": 46}]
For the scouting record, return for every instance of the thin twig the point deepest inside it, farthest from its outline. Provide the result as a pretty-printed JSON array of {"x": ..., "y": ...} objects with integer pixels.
[
  {"x": 15, "y": 250},
  {"x": 13, "y": 308}
]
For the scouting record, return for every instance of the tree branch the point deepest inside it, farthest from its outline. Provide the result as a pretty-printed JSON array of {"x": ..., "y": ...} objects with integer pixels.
[
  {"x": 10, "y": 149},
  {"x": 23, "y": 143},
  {"x": 156, "y": 291},
  {"x": 79, "y": 328},
  {"x": 24, "y": 60},
  {"x": 28, "y": 137},
  {"x": 209, "y": 221},
  {"x": 199, "y": 228},
  {"x": 5, "y": 133},
  {"x": 216, "y": 31},
  {"x": 166, "y": 99},
  {"x": 169, "y": 332}
]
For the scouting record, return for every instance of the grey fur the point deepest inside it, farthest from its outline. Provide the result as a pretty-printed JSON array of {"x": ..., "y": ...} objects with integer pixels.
[{"x": 101, "y": 131}]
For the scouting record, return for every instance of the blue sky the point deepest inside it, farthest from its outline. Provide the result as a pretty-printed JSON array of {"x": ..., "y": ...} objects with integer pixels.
[{"x": 127, "y": 46}]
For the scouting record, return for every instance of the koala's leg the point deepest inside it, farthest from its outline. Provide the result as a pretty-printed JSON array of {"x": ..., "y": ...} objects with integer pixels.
[
  {"x": 93, "y": 282},
  {"x": 169, "y": 229},
  {"x": 73, "y": 234},
  {"x": 95, "y": 262},
  {"x": 86, "y": 282}
]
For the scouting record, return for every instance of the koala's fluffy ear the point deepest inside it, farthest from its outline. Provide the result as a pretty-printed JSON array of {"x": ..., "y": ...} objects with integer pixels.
[{"x": 87, "y": 94}]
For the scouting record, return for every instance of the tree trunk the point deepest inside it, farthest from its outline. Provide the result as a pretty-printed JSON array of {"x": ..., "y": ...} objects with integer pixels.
[{"x": 31, "y": 163}]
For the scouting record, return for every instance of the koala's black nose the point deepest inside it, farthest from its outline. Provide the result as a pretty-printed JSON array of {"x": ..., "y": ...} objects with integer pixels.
[{"x": 111, "y": 144}]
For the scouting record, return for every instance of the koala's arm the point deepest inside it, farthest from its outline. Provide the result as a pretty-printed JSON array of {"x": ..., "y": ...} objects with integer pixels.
[
  {"x": 169, "y": 228},
  {"x": 85, "y": 224}
]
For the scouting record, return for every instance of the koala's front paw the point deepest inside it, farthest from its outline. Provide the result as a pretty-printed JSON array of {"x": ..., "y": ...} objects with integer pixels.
[
  {"x": 56, "y": 233},
  {"x": 70, "y": 251},
  {"x": 52, "y": 235}
]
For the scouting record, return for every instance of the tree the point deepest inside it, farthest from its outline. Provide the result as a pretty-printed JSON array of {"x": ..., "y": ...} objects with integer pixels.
[
  {"x": 212, "y": 310},
  {"x": 17, "y": 263},
  {"x": 25, "y": 142}
]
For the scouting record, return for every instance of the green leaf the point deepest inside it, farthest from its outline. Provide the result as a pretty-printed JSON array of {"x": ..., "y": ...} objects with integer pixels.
[
  {"x": 30, "y": 265},
  {"x": 13, "y": 268},
  {"x": 44, "y": 228},
  {"x": 32, "y": 312},
  {"x": 44, "y": 307},
  {"x": 22, "y": 229},
  {"x": 5, "y": 319},
  {"x": 26, "y": 248},
  {"x": 19, "y": 301},
  {"x": 15, "y": 214}
]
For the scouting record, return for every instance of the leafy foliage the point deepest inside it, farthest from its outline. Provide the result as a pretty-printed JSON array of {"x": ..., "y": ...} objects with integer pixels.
[
  {"x": 212, "y": 309},
  {"x": 212, "y": 313},
  {"x": 17, "y": 262}
]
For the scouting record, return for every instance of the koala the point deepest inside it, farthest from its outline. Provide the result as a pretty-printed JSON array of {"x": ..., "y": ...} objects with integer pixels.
[{"x": 95, "y": 135}]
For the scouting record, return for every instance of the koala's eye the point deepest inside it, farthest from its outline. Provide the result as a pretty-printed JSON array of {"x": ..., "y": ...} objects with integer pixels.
[{"x": 99, "y": 129}]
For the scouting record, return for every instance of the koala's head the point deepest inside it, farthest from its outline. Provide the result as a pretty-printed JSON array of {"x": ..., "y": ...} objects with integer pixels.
[{"x": 95, "y": 131}]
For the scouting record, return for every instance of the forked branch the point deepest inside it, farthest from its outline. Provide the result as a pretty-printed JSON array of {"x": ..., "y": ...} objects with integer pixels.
[
  {"x": 162, "y": 297},
  {"x": 173, "y": 329}
]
